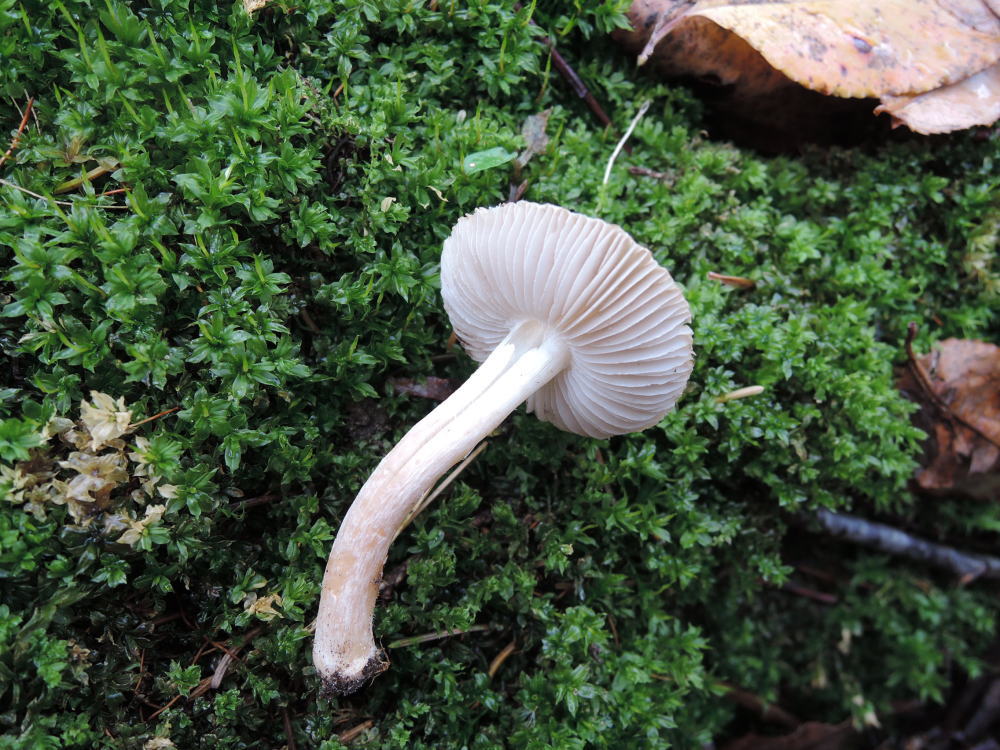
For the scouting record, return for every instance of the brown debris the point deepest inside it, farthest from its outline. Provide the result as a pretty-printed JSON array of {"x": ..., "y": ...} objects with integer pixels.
[
  {"x": 366, "y": 419},
  {"x": 958, "y": 388},
  {"x": 354, "y": 732},
  {"x": 436, "y": 389},
  {"x": 769, "y": 712},
  {"x": 812, "y": 735}
]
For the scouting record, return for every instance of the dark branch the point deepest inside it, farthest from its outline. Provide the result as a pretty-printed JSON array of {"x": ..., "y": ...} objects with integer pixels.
[{"x": 895, "y": 542}]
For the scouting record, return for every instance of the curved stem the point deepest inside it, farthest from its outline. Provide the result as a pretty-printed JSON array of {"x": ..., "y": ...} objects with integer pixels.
[{"x": 344, "y": 651}]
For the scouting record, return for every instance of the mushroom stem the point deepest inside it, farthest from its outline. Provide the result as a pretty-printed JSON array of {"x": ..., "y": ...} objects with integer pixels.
[{"x": 344, "y": 650}]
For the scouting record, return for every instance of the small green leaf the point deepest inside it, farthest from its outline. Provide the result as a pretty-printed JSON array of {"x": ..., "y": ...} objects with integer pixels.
[{"x": 488, "y": 159}]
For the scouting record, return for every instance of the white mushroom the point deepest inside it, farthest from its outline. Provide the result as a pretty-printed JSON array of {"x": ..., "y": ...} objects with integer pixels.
[{"x": 565, "y": 312}]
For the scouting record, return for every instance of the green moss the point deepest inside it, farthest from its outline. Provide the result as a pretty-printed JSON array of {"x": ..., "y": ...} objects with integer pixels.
[{"x": 291, "y": 178}]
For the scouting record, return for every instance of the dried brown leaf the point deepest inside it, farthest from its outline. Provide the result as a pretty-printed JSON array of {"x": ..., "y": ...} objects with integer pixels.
[
  {"x": 962, "y": 417},
  {"x": 895, "y": 50},
  {"x": 536, "y": 139},
  {"x": 974, "y": 101}
]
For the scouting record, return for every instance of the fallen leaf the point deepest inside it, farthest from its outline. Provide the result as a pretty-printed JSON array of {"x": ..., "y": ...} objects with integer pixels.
[
  {"x": 812, "y": 735},
  {"x": 436, "y": 389},
  {"x": 488, "y": 159},
  {"x": 535, "y": 137},
  {"x": 896, "y": 50},
  {"x": 974, "y": 101},
  {"x": 962, "y": 417}
]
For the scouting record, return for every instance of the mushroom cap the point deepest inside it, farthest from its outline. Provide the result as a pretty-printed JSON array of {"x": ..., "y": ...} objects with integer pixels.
[{"x": 620, "y": 313}]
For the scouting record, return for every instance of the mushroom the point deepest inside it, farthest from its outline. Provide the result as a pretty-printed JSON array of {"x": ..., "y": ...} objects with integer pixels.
[{"x": 565, "y": 312}]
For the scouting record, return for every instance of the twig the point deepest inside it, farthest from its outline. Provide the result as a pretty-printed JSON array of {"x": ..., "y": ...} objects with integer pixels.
[
  {"x": 142, "y": 672},
  {"x": 309, "y": 322},
  {"x": 289, "y": 734},
  {"x": 155, "y": 416},
  {"x": 614, "y": 631},
  {"x": 923, "y": 380},
  {"x": 215, "y": 680},
  {"x": 34, "y": 112},
  {"x": 746, "y": 392},
  {"x": 624, "y": 138},
  {"x": 20, "y": 129},
  {"x": 166, "y": 618},
  {"x": 93, "y": 174},
  {"x": 985, "y": 716},
  {"x": 500, "y": 658},
  {"x": 253, "y": 502},
  {"x": 517, "y": 191},
  {"x": 205, "y": 647},
  {"x": 647, "y": 172},
  {"x": 32, "y": 193},
  {"x": 767, "y": 711},
  {"x": 573, "y": 79},
  {"x": 353, "y": 732},
  {"x": 816, "y": 596},
  {"x": 228, "y": 658},
  {"x": 893, "y": 541},
  {"x": 739, "y": 282},
  {"x": 161, "y": 709},
  {"x": 417, "y": 639}
]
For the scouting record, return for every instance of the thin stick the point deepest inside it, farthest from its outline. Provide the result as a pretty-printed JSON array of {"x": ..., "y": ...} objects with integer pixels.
[
  {"x": 20, "y": 129},
  {"x": 160, "y": 710},
  {"x": 621, "y": 143},
  {"x": 572, "y": 77},
  {"x": 34, "y": 113},
  {"x": 417, "y": 639},
  {"x": 252, "y": 502},
  {"x": 647, "y": 172},
  {"x": 885, "y": 538},
  {"x": 750, "y": 390},
  {"x": 574, "y": 80},
  {"x": 500, "y": 658},
  {"x": 739, "y": 282},
  {"x": 767, "y": 711},
  {"x": 289, "y": 734},
  {"x": 353, "y": 732},
  {"x": 816, "y": 596},
  {"x": 155, "y": 416},
  {"x": 59, "y": 203}
]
